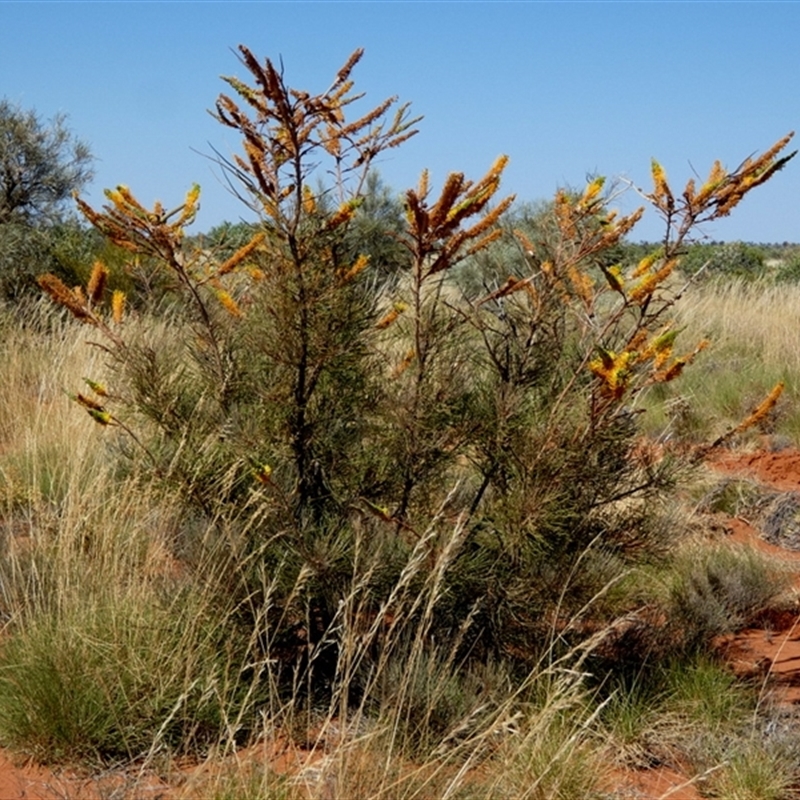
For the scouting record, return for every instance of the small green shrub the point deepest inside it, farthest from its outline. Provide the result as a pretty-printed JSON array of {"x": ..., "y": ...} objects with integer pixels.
[
  {"x": 729, "y": 260},
  {"x": 720, "y": 589}
]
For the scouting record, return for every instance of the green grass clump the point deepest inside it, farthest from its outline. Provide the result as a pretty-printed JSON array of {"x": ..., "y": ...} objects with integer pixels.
[
  {"x": 720, "y": 589},
  {"x": 111, "y": 678}
]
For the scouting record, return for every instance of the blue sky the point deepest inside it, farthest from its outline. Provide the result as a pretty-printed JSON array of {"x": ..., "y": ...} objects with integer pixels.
[{"x": 564, "y": 88}]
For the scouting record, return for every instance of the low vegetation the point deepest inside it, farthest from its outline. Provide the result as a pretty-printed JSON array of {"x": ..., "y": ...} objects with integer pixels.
[{"x": 396, "y": 485}]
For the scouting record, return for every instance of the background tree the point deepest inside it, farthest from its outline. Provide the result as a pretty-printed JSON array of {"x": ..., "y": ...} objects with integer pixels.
[{"x": 41, "y": 164}]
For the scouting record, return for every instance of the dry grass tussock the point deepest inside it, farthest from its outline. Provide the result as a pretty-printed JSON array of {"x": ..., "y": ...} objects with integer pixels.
[
  {"x": 754, "y": 344},
  {"x": 755, "y": 318}
]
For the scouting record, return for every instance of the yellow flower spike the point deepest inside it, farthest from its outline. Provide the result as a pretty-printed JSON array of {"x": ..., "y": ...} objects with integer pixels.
[
  {"x": 612, "y": 369},
  {"x": 659, "y": 176},
  {"x": 379, "y": 511},
  {"x": 613, "y": 276},
  {"x": 118, "y": 305},
  {"x": 661, "y": 358},
  {"x": 664, "y": 341},
  {"x": 263, "y": 474},
  {"x": 117, "y": 199},
  {"x": 607, "y": 357},
  {"x": 592, "y": 191},
  {"x": 126, "y": 195},
  {"x": 192, "y": 196},
  {"x": 188, "y": 210},
  {"x": 98, "y": 388},
  {"x": 102, "y": 417},
  {"x": 662, "y": 196},
  {"x": 646, "y": 263},
  {"x": 344, "y": 214},
  {"x": 229, "y": 304}
]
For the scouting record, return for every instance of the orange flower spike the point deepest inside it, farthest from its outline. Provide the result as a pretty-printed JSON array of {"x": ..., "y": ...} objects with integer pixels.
[
  {"x": 525, "y": 242},
  {"x": 344, "y": 213},
  {"x": 309, "y": 203},
  {"x": 676, "y": 368},
  {"x": 651, "y": 282},
  {"x": 763, "y": 408},
  {"x": 689, "y": 192},
  {"x": 636, "y": 342},
  {"x": 118, "y": 305},
  {"x": 241, "y": 254},
  {"x": 360, "y": 264},
  {"x": 533, "y": 296},
  {"x": 87, "y": 402},
  {"x": 582, "y": 284},
  {"x": 422, "y": 188},
  {"x": 715, "y": 178},
  {"x": 405, "y": 363},
  {"x": 97, "y": 282},
  {"x": 483, "y": 243},
  {"x": 387, "y": 319},
  {"x": 443, "y": 210},
  {"x": 58, "y": 292},
  {"x": 229, "y": 304}
]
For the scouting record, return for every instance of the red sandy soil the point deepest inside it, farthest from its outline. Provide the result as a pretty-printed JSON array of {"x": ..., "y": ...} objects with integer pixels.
[{"x": 770, "y": 651}]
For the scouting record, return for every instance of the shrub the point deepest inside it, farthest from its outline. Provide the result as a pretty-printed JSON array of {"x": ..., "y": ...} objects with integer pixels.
[
  {"x": 331, "y": 423},
  {"x": 729, "y": 260}
]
